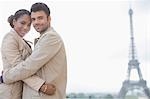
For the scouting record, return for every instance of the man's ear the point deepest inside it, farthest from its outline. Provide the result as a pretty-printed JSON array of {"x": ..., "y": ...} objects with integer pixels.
[{"x": 49, "y": 18}]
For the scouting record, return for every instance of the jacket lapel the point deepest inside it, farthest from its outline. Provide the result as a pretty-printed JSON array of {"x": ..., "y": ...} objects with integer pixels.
[
  {"x": 22, "y": 43},
  {"x": 27, "y": 46}
]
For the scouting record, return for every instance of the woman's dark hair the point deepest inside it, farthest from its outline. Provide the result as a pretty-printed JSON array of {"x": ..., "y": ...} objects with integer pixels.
[
  {"x": 17, "y": 15},
  {"x": 39, "y": 6}
]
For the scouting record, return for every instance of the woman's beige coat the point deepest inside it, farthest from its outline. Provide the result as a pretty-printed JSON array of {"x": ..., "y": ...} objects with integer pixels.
[{"x": 14, "y": 50}]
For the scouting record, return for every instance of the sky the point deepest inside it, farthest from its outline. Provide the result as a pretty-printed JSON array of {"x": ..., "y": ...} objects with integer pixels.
[{"x": 96, "y": 34}]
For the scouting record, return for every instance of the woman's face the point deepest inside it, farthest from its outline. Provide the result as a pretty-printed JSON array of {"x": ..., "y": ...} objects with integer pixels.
[{"x": 22, "y": 25}]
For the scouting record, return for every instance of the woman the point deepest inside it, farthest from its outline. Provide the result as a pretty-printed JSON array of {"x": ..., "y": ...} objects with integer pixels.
[{"x": 14, "y": 50}]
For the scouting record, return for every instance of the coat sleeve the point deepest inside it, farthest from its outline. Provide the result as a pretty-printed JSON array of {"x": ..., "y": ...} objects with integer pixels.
[
  {"x": 12, "y": 55},
  {"x": 35, "y": 82},
  {"x": 46, "y": 48}
]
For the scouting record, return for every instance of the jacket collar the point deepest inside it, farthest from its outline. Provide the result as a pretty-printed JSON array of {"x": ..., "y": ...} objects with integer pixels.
[
  {"x": 15, "y": 33},
  {"x": 48, "y": 30},
  {"x": 21, "y": 39}
]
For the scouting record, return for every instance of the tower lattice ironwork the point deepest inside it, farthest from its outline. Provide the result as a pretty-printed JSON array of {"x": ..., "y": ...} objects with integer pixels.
[{"x": 129, "y": 84}]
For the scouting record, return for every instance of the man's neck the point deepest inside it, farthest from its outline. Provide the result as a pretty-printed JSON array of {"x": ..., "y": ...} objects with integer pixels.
[
  {"x": 41, "y": 33},
  {"x": 45, "y": 30}
]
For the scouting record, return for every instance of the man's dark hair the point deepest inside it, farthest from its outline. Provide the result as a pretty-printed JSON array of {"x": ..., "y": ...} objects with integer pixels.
[{"x": 39, "y": 6}]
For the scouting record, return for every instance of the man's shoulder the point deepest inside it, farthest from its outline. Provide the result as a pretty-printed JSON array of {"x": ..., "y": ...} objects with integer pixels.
[{"x": 51, "y": 33}]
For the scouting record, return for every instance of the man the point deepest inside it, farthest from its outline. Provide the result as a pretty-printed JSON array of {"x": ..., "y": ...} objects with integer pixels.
[{"x": 48, "y": 59}]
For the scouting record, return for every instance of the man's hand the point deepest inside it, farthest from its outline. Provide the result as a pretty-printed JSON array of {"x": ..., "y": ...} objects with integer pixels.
[{"x": 48, "y": 89}]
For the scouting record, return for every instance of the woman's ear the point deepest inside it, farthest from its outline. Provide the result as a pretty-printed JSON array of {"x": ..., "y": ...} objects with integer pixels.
[{"x": 14, "y": 21}]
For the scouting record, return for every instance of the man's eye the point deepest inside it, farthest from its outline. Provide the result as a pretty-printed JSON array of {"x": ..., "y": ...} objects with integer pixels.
[{"x": 22, "y": 23}]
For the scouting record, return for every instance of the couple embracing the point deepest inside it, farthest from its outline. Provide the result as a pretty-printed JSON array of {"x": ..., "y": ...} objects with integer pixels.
[{"x": 37, "y": 74}]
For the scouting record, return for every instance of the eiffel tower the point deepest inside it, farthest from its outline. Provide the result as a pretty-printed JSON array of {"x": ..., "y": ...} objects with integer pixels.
[{"x": 133, "y": 64}]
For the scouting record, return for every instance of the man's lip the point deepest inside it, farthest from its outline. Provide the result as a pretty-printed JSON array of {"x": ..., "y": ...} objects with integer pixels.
[
  {"x": 37, "y": 27},
  {"x": 23, "y": 33}
]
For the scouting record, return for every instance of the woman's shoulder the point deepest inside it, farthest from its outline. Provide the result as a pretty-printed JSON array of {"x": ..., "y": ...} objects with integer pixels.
[{"x": 9, "y": 36}]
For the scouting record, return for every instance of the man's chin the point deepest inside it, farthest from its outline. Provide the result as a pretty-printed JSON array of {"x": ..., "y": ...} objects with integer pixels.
[{"x": 38, "y": 30}]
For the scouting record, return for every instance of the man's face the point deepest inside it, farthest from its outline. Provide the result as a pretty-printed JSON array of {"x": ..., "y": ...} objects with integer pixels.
[{"x": 40, "y": 21}]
